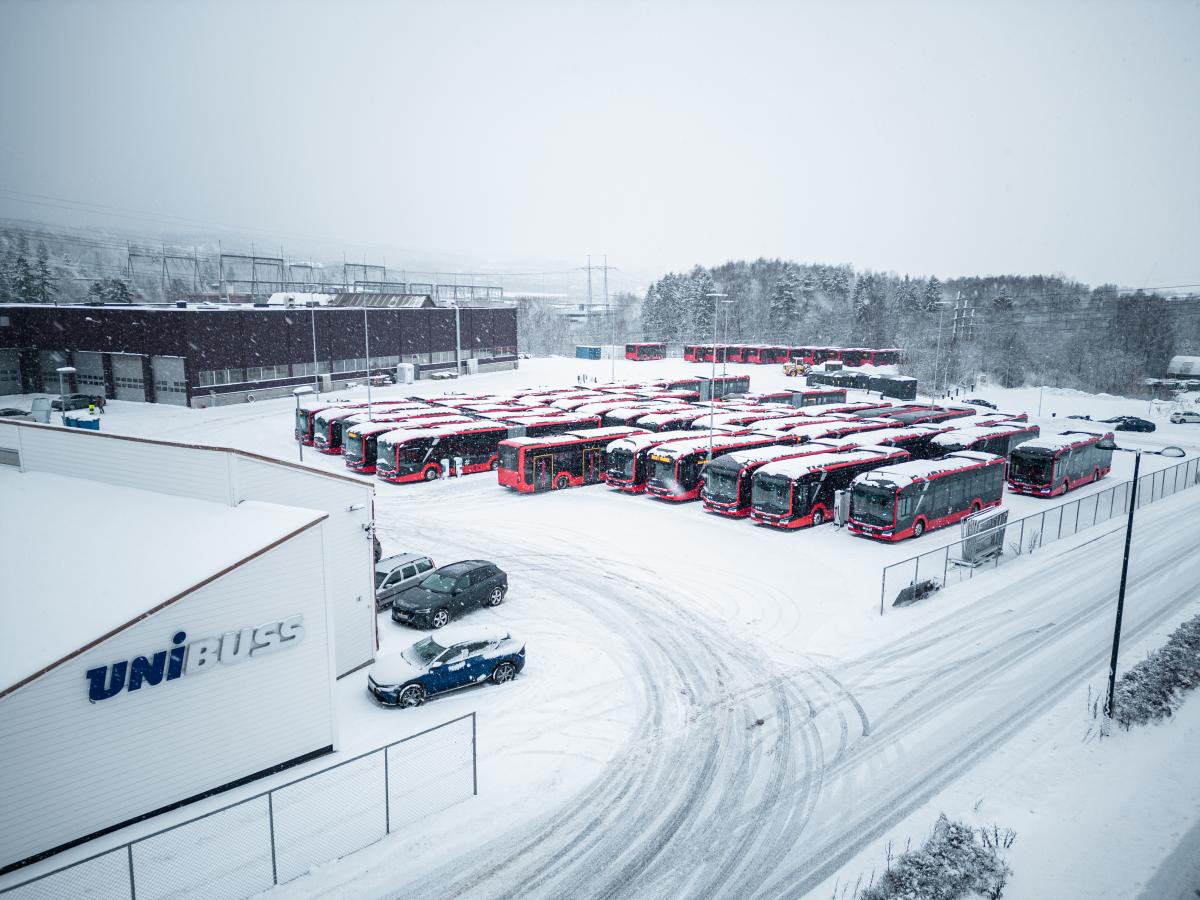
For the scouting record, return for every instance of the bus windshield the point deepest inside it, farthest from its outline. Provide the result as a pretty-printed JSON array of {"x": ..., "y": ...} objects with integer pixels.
[
  {"x": 301, "y": 421},
  {"x": 353, "y": 446},
  {"x": 621, "y": 463},
  {"x": 772, "y": 494},
  {"x": 1029, "y": 469},
  {"x": 508, "y": 458},
  {"x": 872, "y": 505},
  {"x": 721, "y": 485},
  {"x": 660, "y": 469}
]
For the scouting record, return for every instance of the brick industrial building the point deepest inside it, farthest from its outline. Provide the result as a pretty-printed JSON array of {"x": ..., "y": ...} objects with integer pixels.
[{"x": 201, "y": 356}]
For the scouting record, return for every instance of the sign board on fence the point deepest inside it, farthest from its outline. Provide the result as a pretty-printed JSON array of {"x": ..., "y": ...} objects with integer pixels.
[{"x": 983, "y": 536}]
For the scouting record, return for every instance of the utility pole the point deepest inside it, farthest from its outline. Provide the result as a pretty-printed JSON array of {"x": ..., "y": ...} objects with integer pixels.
[
  {"x": 612, "y": 322},
  {"x": 712, "y": 409},
  {"x": 367, "y": 347},
  {"x": 1112, "y": 665}
]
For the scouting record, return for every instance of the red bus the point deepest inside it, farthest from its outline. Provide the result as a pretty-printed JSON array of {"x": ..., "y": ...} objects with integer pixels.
[
  {"x": 691, "y": 352},
  {"x": 673, "y": 470},
  {"x": 910, "y": 416},
  {"x": 768, "y": 397},
  {"x": 670, "y": 420},
  {"x": 645, "y": 351},
  {"x": 629, "y": 415},
  {"x": 573, "y": 402},
  {"x": 415, "y": 454},
  {"x": 326, "y": 427},
  {"x": 359, "y": 440},
  {"x": 456, "y": 400},
  {"x": 626, "y": 458},
  {"x": 811, "y": 355},
  {"x": 552, "y": 463},
  {"x": 330, "y": 424},
  {"x": 1000, "y": 438},
  {"x": 799, "y": 492},
  {"x": 735, "y": 353},
  {"x": 852, "y": 356},
  {"x": 839, "y": 428},
  {"x": 897, "y": 502},
  {"x": 889, "y": 356},
  {"x": 679, "y": 384},
  {"x": 1055, "y": 464},
  {"x": 818, "y": 396},
  {"x": 727, "y": 481},
  {"x": 918, "y": 440},
  {"x": 540, "y": 426},
  {"x": 306, "y": 417},
  {"x": 738, "y": 418},
  {"x": 837, "y": 409}
]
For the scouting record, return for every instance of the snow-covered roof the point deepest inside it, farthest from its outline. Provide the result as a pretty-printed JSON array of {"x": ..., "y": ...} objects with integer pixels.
[
  {"x": 739, "y": 458},
  {"x": 641, "y": 441},
  {"x": 923, "y": 469},
  {"x": 1055, "y": 442},
  {"x": 611, "y": 431},
  {"x": 909, "y": 431},
  {"x": 109, "y": 576},
  {"x": 803, "y": 465},
  {"x": 438, "y": 430},
  {"x": 552, "y": 440},
  {"x": 1184, "y": 366},
  {"x": 720, "y": 441},
  {"x": 960, "y": 437}
]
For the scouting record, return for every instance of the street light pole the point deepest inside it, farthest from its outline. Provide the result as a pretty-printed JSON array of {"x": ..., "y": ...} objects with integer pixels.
[
  {"x": 312, "y": 311},
  {"x": 367, "y": 348},
  {"x": 712, "y": 409},
  {"x": 298, "y": 393}
]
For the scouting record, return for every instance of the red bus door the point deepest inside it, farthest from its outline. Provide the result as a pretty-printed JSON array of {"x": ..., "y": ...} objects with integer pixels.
[
  {"x": 543, "y": 471},
  {"x": 593, "y": 466}
]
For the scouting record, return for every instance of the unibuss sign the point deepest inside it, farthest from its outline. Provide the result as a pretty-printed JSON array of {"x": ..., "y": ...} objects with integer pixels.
[{"x": 198, "y": 656}]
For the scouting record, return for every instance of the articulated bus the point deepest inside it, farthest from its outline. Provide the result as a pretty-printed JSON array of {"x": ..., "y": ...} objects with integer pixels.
[
  {"x": 728, "y": 479},
  {"x": 799, "y": 492},
  {"x": 674, "y": 469},
  {"x": 627, "y": 464},
  {"x": 405, "y": 454},
  {"x": 1055, "y": 464},
  {"x": 645, "y": 351},
  {"x": 1000, "y": 439},
  {"x": 896, "y": 502},
  {"x": 555, "y": 462}
]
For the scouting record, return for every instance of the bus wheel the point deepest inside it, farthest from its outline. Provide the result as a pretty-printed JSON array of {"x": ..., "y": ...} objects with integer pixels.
[
  {"x": 432, "y": 473},
  {"x": 975, "y": 507},
  {"x": 562, "y": 481},
  {"x": 818, "y": 516},
  {"x": 919, "y": 528},
  {"x": 1066, "y": 486},
  {"x": 1095, "y": 474},
  {"x": 494, "y": 465}
]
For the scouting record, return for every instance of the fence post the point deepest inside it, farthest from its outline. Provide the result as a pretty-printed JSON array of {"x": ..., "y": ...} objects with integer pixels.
[
  {"x": 474, "y": 760},
  {"x": 1112, "y": 499},
  {"x": 945, "y": 565},
  {"x": 132, "y": 885},
  {"x": 387, "y": 800},
  {"x": 1021, "y": 539},
  {"x": 271, "y": 825},
  {"x": 883, "y": 588}
]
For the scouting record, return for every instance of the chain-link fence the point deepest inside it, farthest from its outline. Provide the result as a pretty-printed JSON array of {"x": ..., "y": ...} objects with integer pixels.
[
  {"x": 249, "y": 846},
  {"x": 957, "y": 562}
]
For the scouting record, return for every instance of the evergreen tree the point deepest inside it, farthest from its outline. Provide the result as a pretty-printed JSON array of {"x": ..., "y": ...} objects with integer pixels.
[
  {"x": 23, "y": 282},
  {"x": 908, "y": 299},
  {"x": 652, "y": 323},
  {"x": 700, "y": 305},
  {"x": 1002, "y": 300},
  {"x": 43, "y": 283},
  {"x": 110, "y": 290},
  {"x": 932, "y": 295},
  {"x": 785, "y": 303},
  {"x": 670, "y": 306}
]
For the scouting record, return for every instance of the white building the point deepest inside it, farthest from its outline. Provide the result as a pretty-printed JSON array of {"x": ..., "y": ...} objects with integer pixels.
[{"x": 174, "y": 618}]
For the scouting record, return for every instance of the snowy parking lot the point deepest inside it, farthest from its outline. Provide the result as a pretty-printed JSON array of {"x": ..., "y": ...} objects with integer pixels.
[{"x": 708, "y": 704}]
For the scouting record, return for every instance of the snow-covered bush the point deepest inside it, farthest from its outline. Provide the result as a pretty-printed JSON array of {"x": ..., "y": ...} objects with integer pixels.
[
  {"x": 1154, "y": 688},
  {"x": 955, "y": 862}
]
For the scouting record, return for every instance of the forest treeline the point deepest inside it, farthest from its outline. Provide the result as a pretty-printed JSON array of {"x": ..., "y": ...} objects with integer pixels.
[{"x": 1016, "y": 329}]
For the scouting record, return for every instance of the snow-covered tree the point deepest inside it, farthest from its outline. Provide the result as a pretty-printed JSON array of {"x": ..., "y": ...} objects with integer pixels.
[
  {"x": 932, "y": 295},
  {"x": 785, "y": 304},
  {"x": 110, "y": 290}
]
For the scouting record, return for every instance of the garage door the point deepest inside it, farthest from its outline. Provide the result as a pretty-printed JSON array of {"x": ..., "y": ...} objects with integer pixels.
[
  {"x": 89, "y": 373},
  {"x": 169, "y": 383},
  {"x": 127, "y": 377},
  {"x": 10, "y": 372}
]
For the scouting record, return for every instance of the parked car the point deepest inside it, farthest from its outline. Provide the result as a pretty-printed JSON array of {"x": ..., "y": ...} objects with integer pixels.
[
  {"x": 975, "y": 401},
  {"x": 398, "y": 573},
  {"x": 10, "y": 411},
  {"x": 456, "y": 658},
  {"x": 1185, "y": 416},
  {"x": 1129, "y": 423},
  {"x": 77, "y": 401},
  {"x": 1089, "y": 418},
  {"x": 449, "y": 592}
]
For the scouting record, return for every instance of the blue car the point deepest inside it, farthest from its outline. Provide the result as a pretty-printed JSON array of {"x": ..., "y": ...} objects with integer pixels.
[{"x": 455, "y": 658}]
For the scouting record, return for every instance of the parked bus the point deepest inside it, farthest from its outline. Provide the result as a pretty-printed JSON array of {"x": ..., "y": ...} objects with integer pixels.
[
  {"x": 799, "y": 492},
  {"x": 631, "y": 415},
  {"x": 645, "y": 351},
  {"x": 896, "y": 502},
  {"x": 1055, "y": 464},
  {"x": 727, "y": 480},
  {"x": 330, "y": 427},
  {"x": 555, "y": 462},
  {"x": 306, "y": 418},
  {"x": 691, "y": 352},
  {"x": 918, "y": 440},
  {"x": 626, "y": 458},
  {"x": 674, "y": 469},
  {"x": 406, "y": 454},
  {"x": 922, "y": 416},
  {"x": 889, "y": 356},
  {"x": 999, "y": 438},
  {"x": 359, "y": 440},
  {"x": 821, "y": 396},
  {"x": 735, "y": 353},
  {"x": 738, "y": 418},
  {"x": 767, "y": 355},
  {"x": 326, "y": 427},
  {"x": 836, "y": 409},
  {"x": 540, "y": 426}
]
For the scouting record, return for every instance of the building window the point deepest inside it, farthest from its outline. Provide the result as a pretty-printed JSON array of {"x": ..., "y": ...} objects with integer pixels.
[
  {"x": 266, "y": 373},
  {"x": 309, "y": 369},
  {"x": 222, "y": 376},
  {"x": 442, "y": 356}
]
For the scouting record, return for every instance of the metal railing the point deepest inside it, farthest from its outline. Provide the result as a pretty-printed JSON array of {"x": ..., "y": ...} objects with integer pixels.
[
  {"x": 251, "y": 845},
  {"x": 952, "y": 564}
]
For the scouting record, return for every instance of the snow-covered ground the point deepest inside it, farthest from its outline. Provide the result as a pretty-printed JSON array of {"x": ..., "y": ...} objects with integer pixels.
[{"x": 715, "y": 709}]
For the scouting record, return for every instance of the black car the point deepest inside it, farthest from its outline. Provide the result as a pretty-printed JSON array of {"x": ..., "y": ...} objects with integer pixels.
[
  {"x": 450, "y": 591},
  {"x": 1129, "y": 423},
  {"x": 975, "y": 401},
  {"x": 77, "y": 401},
  {"x": 8, "y": 411}
]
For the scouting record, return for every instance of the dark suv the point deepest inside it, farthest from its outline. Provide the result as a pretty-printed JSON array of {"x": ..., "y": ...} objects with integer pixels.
[
  {"x": 448, "y": 592},
  {"x": 77, "y": 401}
]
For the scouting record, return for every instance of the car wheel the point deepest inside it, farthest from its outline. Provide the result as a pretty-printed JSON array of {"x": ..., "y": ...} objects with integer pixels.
[
  {"x": 432, "y": 473},
  {"x": 440, "y": 618},
  {"x": 562, "y": 481},
  {"x": 504, "y": 672},
  {"x": 496, "y": 597},
  {"x": 818, "y": 517},
  {"x": 412, "y": 695},
  {"x": 918, "y": 529}
]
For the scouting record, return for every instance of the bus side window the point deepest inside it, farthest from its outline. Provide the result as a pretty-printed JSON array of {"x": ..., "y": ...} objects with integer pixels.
[{"x": 905, "y": 506}]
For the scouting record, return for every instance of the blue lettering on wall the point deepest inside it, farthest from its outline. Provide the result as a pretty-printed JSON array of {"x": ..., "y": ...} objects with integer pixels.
[
  {"x": 176, "y": 667},
  {"x": 96, "y": 688},
  {"x": 144, "y": 670}
]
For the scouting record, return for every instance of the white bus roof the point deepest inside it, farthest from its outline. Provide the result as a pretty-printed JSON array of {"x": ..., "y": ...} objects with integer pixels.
[
  {"x": 1056, "y": 442},
  {"x": 804, "y": 465},
  {"x": 641, "y": 441},
  {"x": 980, "y": 432},
  {"x": 923, "y": 469},
  {"x": 610, "y": 431},
  {"x": 719, "y": 441},
  {"x": 753, "y": 455}
]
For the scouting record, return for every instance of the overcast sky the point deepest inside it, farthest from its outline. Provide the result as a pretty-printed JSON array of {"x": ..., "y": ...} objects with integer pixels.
[{"x": 948, "y": 138}]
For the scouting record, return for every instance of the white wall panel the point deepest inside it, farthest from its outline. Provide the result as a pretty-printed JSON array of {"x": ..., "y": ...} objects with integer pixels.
[{"x": 72, "y": 767}]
